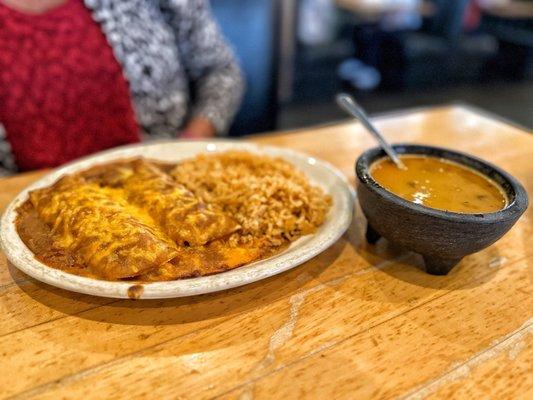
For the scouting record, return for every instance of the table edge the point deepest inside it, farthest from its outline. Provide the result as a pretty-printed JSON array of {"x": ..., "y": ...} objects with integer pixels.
[{"x": 377, "y": 117}]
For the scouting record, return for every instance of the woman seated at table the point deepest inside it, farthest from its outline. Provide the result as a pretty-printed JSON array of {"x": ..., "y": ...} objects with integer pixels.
[{"x": 78, "y": 77}]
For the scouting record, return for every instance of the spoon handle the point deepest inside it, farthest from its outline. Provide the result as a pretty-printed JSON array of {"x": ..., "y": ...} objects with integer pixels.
[{"x": 350, "y": 106}]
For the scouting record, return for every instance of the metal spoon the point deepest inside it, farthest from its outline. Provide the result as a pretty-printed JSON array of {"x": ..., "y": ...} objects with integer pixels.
[{"x": 348, "y": 104}]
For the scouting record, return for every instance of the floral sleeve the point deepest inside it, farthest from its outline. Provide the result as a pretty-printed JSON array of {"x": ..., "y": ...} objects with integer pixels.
[
  {"x": 210, "y": 64},
  {"x": 7, "y": 162}
]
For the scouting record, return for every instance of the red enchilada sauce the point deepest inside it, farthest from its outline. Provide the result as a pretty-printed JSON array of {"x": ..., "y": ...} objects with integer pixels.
[
  {"x": 39, "y": 238},
  {"x": 440, "y": 184},
  {"x": 212, "y": 258}
]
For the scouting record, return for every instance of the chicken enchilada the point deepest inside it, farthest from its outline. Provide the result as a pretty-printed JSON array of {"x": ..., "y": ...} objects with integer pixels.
[{"x": 139, "y": 220}]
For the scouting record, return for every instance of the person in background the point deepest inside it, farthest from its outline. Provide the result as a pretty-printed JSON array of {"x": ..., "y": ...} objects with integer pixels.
[
  {"x": 379, "y": 36},
  {"x": 78, "y": 76}
]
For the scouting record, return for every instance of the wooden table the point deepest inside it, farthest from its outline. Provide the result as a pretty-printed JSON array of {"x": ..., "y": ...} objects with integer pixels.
[{"x": 355, "y": 322}]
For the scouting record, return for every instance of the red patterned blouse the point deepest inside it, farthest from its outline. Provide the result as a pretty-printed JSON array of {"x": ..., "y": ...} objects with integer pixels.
[{"x": 62, "y": 92}]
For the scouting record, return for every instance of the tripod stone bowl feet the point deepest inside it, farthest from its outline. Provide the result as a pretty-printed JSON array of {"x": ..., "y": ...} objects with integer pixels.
[
  {"x": 371, "y": 235},
  {"x": 434, "y": 265}
]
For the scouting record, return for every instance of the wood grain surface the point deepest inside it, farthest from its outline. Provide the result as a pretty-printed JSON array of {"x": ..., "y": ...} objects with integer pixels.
[{"x": 355, "y": 322}]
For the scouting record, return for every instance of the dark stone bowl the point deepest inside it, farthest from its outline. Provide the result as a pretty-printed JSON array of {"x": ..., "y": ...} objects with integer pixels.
[{"x": 443, "y": 238}]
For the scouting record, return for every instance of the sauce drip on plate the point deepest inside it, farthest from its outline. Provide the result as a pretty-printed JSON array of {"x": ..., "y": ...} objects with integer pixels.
[{"x": 439, "y": 183}]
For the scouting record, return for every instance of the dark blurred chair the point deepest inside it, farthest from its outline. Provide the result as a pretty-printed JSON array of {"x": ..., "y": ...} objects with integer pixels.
[
  {"x": 252, "y": 28},
  {"x": 440, "y": 52},
  {"x": 514, "y": 33}
]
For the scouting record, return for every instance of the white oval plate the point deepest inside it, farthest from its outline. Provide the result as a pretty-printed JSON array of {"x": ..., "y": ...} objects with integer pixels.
[{"x": 319, "y": 172}]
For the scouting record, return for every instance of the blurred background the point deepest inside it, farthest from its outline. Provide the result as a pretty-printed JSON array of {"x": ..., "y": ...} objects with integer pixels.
[{"x": 390, "y": 54}]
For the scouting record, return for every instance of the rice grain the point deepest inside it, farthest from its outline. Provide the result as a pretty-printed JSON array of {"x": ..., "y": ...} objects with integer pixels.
[{"x": 272, "y": 201}]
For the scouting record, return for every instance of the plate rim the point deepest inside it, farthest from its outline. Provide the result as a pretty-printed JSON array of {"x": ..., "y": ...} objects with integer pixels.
[{"x": 23, "y": 258}]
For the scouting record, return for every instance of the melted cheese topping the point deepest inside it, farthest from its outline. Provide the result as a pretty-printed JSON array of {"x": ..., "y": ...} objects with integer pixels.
[
  {"x": 115, "y": 238},
  {"x": 129, "y": 219}
]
